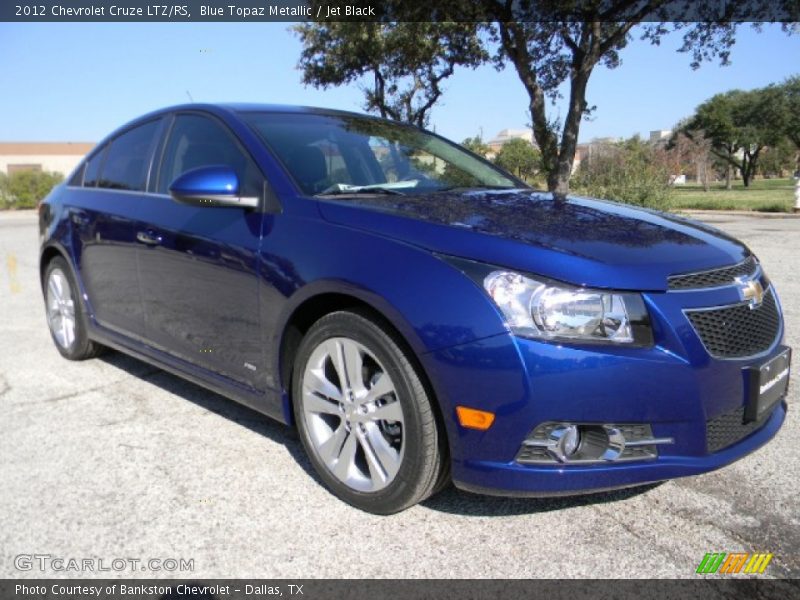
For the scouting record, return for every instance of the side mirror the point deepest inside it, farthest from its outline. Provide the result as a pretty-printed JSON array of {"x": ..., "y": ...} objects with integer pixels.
[{"x": 210, "y": 186}]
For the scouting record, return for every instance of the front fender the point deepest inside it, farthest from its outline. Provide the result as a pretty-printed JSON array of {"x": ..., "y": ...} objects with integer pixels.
[{"x": 431, "y": 303}]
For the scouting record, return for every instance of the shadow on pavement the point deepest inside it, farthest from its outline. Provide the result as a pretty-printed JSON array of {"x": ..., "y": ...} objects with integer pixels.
[{"x": 451, "y": 500}]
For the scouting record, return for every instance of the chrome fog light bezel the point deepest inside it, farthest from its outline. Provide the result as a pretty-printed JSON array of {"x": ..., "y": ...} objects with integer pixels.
[{"x": 549, "y": 443}]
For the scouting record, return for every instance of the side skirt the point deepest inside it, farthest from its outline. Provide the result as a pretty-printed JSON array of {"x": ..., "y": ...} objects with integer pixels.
[{"x": 269, "y": 402}]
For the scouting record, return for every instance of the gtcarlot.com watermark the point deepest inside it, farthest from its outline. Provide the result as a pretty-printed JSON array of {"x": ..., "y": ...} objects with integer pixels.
[{"x": 49, "y": 562}]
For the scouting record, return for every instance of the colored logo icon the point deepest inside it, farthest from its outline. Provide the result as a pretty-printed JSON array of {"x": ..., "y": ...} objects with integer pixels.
[{"x": 734, "y": 562}]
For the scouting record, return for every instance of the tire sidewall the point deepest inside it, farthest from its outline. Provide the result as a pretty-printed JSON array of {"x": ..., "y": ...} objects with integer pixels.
[{"x": 401, "y": 491}]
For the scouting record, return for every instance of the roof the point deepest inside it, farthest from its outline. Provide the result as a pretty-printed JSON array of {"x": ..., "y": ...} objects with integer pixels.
[{"x": 45, "y": 148}]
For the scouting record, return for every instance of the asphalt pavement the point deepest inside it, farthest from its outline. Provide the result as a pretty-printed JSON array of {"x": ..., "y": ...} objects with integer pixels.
[{"x": 113, "y": 459}]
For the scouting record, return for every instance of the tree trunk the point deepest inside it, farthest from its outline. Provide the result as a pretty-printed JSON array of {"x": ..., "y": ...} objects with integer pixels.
[
  {"x": 544, "y": 136},
  {"x": 729, "y": 177},
  {"x": 558, "y": 181}
]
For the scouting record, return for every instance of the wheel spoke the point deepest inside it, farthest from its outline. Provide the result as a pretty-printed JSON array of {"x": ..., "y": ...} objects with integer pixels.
[
  {"x": 391, "y": 411},
  {"x": 331, "y": 448},
  {"x": 382, "y": 460},
  {"x": 315, "y": 381},
  {"x": 315, "y": 404},
  {"x": 53, "y": 287},
  {"x": 353, "y": 364},
  {"x": 335, "y": 351},
  {"x": 65, "y": 331},
  {"x": 346, "y": 458},
  {"x": 69, "y": 331}
]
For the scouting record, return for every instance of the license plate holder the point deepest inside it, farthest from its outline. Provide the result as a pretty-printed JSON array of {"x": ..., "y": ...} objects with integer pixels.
[{"x": 767, "y": 384}]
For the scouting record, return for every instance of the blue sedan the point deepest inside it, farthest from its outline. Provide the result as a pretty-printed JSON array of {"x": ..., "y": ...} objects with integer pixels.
[{"x": 418, "y": 314}]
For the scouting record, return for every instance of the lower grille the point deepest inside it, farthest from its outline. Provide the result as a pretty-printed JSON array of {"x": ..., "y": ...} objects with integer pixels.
[
  {"x": 738, "y": 331},
  {"x": 729, "y": 428}
]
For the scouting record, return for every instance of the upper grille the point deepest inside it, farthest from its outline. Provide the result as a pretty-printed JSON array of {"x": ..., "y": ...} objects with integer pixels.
[
  {"x": 728, "y": 428},
  {"x": 738, "y": 331},
  {"x": 714, "y": 277}
]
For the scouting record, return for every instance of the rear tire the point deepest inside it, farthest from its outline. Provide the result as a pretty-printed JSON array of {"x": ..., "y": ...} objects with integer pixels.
[
  {"x": 364, "y": 416},
  {"x": 66, "y": 314}
]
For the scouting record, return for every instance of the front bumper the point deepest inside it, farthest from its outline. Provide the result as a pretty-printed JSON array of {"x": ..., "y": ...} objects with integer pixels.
[
  {"x": 513, "y": 479},
  {"x": 674, "y": 386}
]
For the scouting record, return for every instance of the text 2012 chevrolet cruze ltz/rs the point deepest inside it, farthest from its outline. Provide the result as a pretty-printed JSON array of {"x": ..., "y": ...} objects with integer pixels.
[{"x": 420, "y": 315}]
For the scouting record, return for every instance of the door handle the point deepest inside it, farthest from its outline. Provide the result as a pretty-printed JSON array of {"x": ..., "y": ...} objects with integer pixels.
[{"x": 149, "y": 238}]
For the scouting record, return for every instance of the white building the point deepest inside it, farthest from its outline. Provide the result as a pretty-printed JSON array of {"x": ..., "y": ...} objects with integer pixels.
[
  {"x": 507, "y": 135},
  {"x": 660, "y": 136},
  {"x": 58, "y": 157}
]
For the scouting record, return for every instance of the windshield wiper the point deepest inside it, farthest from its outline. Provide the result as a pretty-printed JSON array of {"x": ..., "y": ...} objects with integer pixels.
[
  {"x": 361, "y": 191},
  {"x": 452, "y": 188}
]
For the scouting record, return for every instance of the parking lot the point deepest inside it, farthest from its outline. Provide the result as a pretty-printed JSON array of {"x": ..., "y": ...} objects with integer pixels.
[{"x": 112, "y": 458}]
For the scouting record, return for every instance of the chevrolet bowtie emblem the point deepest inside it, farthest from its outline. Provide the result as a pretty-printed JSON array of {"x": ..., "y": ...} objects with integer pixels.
[{"x": 751, "y": 292}]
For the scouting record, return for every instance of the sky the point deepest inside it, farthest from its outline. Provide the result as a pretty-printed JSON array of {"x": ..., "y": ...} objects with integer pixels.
[{"x": 80, "y": 81}]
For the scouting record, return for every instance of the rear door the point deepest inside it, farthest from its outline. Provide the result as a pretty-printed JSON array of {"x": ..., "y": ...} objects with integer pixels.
[
  {"x": 199, "y": 276},
  {"x": 104, "y": 209}
]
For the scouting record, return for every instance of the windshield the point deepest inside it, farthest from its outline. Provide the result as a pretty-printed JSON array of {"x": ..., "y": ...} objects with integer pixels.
[{"x": 340, "y": 155}]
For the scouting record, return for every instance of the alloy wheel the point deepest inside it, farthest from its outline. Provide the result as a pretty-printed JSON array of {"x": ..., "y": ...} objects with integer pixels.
[
  {"x": 60, "y": 309},
  {"x": 353, "y": 415}
]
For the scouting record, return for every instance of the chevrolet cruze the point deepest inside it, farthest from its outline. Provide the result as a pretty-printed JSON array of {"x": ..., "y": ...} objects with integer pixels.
[{"x": 418, "y": 314}]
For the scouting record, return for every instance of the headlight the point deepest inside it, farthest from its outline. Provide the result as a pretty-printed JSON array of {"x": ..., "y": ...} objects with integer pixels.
[{"x": 555, "y": 311}]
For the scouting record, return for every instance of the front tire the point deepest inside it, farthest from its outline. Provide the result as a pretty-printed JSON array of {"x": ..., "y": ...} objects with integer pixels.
[
  {"x": 364, "y": 416},
  {"x": 66, "y": 317}
]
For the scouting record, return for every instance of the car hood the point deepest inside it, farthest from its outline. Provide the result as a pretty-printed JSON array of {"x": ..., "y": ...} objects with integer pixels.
[{"x": 573, "y": 239}]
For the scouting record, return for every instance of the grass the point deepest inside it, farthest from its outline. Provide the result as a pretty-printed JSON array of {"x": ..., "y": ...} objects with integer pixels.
[{"x": 763, "y": 195}]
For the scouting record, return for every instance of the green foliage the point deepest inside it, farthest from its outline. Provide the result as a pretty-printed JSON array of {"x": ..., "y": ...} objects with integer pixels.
[
  {"x": 632, "y": 171},
  {"x": 403, "y": 64},
  {"x": 476, "y": 146},
  {"x": 24, "y": 189},
  {"x": 554, "y": 46},
  {"x": 778, "y": 160},
  {"x": 519, "y": 157},
  {"x": 790, "y": 106},
  {"x": 740, "y": 124}
]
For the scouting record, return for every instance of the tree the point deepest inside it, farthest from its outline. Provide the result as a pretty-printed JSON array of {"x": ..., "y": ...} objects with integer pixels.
[
  {"x": 406, "y": 61},
  {"x": 476, "y": 145},
  {"x": 551, "y": 42},
  {"x": 691, "y": 156},
  {"x": 519, "y": 157},
  {"x": 555, "y": 42},
  {"x": 739, "y": 125},
  {"x": 790, "y": 90},
  {"x": 777, "y": 160}
]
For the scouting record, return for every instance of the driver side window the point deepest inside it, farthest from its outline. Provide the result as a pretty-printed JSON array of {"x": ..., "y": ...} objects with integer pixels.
[{"x": 196, "y": 141}]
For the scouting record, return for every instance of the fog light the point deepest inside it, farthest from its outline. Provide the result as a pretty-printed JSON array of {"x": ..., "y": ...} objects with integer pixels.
[
  {"x": 571, "y": 440},
  {"x": 566, "y": 439},
  {"x": 588, "y": 443}
]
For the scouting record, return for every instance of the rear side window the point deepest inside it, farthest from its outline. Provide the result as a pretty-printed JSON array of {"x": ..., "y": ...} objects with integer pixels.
[
  {"x": 92, "y": 171},
  {"x": 128, "y": 159},
  {"x": 77, "y": 176},
  {"x": 196, "y": 141}
]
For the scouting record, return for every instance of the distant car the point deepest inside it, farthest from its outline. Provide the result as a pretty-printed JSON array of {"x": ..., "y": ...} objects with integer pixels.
[{"x": 420, "y": 315}]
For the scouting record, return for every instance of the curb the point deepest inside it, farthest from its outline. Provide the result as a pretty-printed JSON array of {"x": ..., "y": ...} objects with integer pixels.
[{"x": 739, "y": 213}]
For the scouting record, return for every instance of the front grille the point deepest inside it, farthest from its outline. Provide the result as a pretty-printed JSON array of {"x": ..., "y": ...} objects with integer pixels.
[
  {"x": 728, "y": 428},
  {"x": 738, "y": 331},
  {"x": 714, "y": 277}
]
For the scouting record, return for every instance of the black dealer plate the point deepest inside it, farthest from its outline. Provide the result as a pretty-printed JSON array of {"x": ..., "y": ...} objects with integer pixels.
[{"x": 767, "y": 384}]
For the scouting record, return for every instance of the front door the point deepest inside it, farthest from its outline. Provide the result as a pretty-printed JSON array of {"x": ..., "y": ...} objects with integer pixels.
[{"x": 198, "y": 270}]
